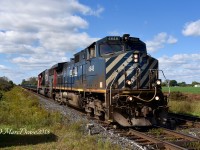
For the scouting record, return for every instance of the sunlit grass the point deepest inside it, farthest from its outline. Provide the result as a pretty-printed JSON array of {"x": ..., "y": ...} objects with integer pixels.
[
  {"x": 20, "y": 109},
  {"x": 193, "y": 90},
  {"x": 185, "y": 107}
]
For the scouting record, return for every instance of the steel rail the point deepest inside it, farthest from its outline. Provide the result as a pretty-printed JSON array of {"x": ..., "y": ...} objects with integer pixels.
[{"x": 156, "y": 141}]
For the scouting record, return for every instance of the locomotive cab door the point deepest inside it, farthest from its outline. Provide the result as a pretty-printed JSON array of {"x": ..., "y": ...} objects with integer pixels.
[
  {"x": 90, "y": 68},
  {"x": 91, "y": 52}
]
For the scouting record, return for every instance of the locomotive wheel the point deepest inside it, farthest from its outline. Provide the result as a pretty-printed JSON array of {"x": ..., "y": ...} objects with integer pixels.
[
  {"x": 102, "y": 117},
  {"x": 91, "y": 113}
]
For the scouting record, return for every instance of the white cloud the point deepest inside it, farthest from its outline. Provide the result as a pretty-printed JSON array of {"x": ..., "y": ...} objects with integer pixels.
[
  {"x": 3, "y": 68},
  {"x": 39, "y": 61},
  {"x": 171, "y": 40},
  {"x": 97, "y": 12},
  {"x": 50, "y": 24},
  {"x": 159, "y": 41},
  {"x": 36, "y": 34},
  {"x": 181, "y": 67},
  {"x": 192, "y": 28}
]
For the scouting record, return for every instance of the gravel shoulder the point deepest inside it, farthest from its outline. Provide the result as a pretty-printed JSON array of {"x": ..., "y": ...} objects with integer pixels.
[
  {"x": 74, "y": 116},
  {"x": 105, "y": 134}
]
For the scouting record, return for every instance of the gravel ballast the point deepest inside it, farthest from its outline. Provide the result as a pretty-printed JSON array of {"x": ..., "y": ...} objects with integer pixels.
[{"x": 74, "y": 115}]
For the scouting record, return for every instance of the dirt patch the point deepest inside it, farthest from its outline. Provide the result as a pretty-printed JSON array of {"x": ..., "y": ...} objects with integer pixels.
[
  {"x": 188, "y": 96},
  {"x": 193, "y": 96}
]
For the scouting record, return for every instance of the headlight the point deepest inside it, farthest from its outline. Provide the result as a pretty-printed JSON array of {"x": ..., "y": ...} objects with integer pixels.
[
  {"x": 135, "y": 55},
  {"x": 135, "y": 60},
  {"x": 158, "y": 82},
  {"x": 157, "y": 98},
  {"x": 130, "y": 98},
  {"x": 128, "y": 82}
]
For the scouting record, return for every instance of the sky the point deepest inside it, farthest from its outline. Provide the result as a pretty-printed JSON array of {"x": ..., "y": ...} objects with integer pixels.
[{"x": 36, "y": 34}]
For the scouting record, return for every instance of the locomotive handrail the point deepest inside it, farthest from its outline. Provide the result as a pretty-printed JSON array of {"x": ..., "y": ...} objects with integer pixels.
[
  {"x": 115, "y": 79},
  {"x": 155, "y": 89},
  {"x": 111, "y": 87},
  {"x": 149, "y": 99},
  {"x": 165, "y": 79}
]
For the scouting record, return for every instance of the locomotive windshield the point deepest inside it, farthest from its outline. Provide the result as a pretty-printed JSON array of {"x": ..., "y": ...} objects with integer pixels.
[
  {"x": 107, "y": 48},
  {"x": 136, "y": 46}
]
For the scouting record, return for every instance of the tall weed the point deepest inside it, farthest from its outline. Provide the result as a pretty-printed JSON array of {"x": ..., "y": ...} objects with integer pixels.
[
  {"x": 21, "y": 109},
  {"x": 178, "y": 96},
  {"x": 185, "y": 107}
]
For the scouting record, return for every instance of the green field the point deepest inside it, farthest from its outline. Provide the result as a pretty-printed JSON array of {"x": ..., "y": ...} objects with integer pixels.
[
  {"x": 192, "y": 90},
  {"x": 185, "y": 107},
  {"x": 184, "y": 100}
]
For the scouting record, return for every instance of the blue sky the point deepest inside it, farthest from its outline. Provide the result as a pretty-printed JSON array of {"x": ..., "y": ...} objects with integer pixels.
[{"x": 36, "y": 34}]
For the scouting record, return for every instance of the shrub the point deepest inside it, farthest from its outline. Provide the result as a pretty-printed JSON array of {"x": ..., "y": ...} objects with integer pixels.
[
  {"x": 20, "y": 109},
  {"x": 5, "y": 84},
  {"x": 178, "y": 96}
]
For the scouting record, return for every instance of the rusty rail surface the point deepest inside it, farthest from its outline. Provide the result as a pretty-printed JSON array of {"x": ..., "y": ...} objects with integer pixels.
[{"x": 165, "y": 139}]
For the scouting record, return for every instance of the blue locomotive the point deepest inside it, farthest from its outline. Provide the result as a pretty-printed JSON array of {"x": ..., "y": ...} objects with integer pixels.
[{"x": 113, "y": 79}]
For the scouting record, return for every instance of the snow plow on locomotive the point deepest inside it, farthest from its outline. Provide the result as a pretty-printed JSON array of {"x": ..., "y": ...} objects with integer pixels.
[{"x": 113, "y": 79}]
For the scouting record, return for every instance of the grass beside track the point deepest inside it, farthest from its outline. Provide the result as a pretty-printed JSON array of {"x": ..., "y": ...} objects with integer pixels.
[
  {"x": 184, "y": 100},
  {"x": 185, "y": 107},
  {"x": 191, "y": 90},
  {"x": 24, "y": 124}
]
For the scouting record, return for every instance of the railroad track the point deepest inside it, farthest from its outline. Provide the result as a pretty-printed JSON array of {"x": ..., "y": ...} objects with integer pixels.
[
  {"x": 161, "y": 138},
  {"x": 155, "y": 138}
]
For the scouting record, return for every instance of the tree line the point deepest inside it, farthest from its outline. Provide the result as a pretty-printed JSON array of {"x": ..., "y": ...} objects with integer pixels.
[
  {"x": 30, "y": 81},
  {"x": 6, "y": 84},
  {"x": 175, "y": 83}
]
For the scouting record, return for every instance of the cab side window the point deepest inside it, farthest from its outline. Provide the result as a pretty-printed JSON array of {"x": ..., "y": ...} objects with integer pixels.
[{"x": 91, "y": 52}]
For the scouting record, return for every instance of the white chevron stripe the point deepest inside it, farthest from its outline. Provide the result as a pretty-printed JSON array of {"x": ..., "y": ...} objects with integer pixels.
[
  {"x": 128, "y": 72},
  {"x": 114, "y": 62},
  {"x": 107, "y": 59},
  {"x": 147, "y": 73},
  {"x": 121, "y": 67},
  {"x": 136, "y": 76}
]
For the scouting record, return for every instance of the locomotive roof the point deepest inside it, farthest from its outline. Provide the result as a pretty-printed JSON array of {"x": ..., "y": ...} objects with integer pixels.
[
  {"x": 120, "y": 38},
  {"x": 58, "y": 65},
  {"x": 113, "y": 39}
]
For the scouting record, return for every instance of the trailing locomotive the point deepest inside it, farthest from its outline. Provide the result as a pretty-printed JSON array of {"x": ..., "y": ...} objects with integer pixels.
[{"x": 113, "y": 79}]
